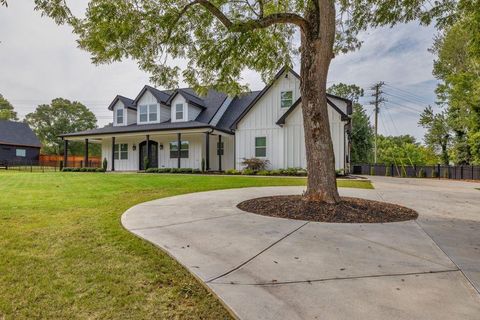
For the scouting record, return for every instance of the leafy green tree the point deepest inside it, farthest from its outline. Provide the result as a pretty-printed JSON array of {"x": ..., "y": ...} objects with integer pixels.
[
  {"x": 49, "y": 121},
  {"x": 220, "y": 38},
  {"x": 362, "y": 132},
  {"x": 403, "y": 151},
  {"x": 6, "y": 110},
  {"x": 438, "y": 135},
  {"x": 458, "y": 68}
]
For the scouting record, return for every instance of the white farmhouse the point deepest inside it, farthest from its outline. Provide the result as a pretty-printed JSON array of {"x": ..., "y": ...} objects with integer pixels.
[{"x": 180, "y": 129}]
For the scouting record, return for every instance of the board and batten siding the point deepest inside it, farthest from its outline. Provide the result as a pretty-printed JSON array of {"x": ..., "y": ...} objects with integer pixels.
[
  {"x": 285, "y": 145},
  {"x": 196, "y": 151},
  {"x": 148, "y": 99}
]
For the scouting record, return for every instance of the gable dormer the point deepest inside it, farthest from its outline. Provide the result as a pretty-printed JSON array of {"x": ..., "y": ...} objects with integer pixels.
[
  {"x": 185, "y": 106},
  {"x": 151, "y": 106},
  {"x": 124, "y": 111}
]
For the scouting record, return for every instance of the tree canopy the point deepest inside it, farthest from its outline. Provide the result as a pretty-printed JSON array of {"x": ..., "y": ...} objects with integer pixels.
[
  {"x": 7, "y": 111},
  {"x": 61, "y": 116},
  {"x": 457, "y": 67},
  {"x": 362, "y": 132},
  {"x": 218, "y": 39}
]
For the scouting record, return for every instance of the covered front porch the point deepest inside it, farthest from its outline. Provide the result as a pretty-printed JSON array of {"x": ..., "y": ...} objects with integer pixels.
[{"x": 208, "y": 149}]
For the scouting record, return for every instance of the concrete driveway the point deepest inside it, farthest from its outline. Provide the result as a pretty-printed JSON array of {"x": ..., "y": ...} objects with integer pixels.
[{"x": 272, "y": 268}]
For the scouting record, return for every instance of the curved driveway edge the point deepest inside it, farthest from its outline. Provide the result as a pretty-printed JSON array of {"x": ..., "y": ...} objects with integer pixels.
[{"x": 273, "y": 268}]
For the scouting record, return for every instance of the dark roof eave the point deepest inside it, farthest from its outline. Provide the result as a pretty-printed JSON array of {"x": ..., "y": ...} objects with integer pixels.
[
  {"x": 282, "y": 119},
  {"x": 66, "y": 135}
]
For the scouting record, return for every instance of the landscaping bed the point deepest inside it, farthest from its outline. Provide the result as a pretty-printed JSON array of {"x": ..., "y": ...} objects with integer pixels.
[{"x": 349, "y": 210}]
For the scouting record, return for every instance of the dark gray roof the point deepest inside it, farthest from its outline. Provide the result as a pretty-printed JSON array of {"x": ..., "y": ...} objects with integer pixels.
[
  {"x": 17, "y": 133},
  {"x": 164, "y": 126},
  {"x": 127, "y": 102},
  {"x": 236, "y": 108}
]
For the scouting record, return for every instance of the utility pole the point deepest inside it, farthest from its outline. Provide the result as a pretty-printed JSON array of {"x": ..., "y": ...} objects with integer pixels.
[{"x": 378, "y": 99}]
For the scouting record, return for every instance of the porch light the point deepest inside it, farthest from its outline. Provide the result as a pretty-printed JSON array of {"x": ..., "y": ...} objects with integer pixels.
[
  {"x": 160, "y": 146},
  {"x": 134, "y": 147}
]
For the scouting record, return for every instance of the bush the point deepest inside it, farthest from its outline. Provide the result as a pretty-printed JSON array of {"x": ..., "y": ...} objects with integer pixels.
[
  {"x": 197, "y": 171},
  {"x": 232, "y": 172},
  {"x": 146, "y": 163},
  {"x": 276, "y": 172},
  {"x": 248, "y": 172},
  {"x": 100, "y": 170},
  {"x": 69, "y": 169},
  {"x": 422, "y": 173},
  {"x": 151, "y": 170},
  {"x": 255, "y": 164},
  {"x": 105, "y": 164},
  {"x": 203, "y": 164},
  {"x": 264, "y": 173}
]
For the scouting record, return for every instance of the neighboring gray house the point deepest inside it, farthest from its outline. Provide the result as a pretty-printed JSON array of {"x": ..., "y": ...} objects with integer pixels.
[
  {"x": 181, "y": 128},
  {"x": 18, "y": 143}
]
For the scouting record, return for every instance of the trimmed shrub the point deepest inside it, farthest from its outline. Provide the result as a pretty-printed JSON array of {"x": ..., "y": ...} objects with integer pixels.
[
  {"x": 232, "y": 172},
  {"x": 255, "y": 164},
  {"x": 104, "y": 164},
  {"x": 203, "y": 164},
  {"x": 151, "y": 170},
  {"x": 264, "y": 173},
  {"x": 248, "y": 172},
  {"x": 197, "y": 171}
]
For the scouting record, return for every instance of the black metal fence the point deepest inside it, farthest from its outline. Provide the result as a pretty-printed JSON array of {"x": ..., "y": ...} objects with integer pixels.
[
  {"x": 465, "y": 172},
  {"x": 44, "y": 166}
]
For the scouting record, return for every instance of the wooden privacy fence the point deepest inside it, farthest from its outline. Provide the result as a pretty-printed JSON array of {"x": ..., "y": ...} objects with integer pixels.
[
  {"x": 72, "y": 161},
  {"x": 465, "y": 172}
]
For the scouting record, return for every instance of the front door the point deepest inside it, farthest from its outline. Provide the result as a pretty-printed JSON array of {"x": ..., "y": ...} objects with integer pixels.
[{"x": 153, "y": 163}]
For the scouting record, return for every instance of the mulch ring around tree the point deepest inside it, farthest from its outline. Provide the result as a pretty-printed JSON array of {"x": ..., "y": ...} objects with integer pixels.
[{"x": 349, "y": 210}]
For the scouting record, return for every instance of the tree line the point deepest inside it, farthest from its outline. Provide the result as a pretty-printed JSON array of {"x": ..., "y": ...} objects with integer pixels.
[{"x": 48, "y": 121}]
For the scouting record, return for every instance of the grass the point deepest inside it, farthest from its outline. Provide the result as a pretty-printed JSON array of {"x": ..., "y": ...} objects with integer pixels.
[{"x": 65, "y": 255}]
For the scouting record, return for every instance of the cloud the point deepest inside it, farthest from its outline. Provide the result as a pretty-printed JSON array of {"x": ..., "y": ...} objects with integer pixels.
[{"x": 39, "y": 61}]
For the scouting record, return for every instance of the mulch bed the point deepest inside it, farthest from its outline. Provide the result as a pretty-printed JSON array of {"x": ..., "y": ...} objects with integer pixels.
[{"x": 349, "y": 210}]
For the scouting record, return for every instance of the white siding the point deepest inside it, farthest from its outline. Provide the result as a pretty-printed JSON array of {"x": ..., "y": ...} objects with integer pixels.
[
  {"x": 117, "y": 106},
  {"x": 195, "y": 153},
  {"x": 285, "y": 145},
  {"x": 193, "y": 112},
  {"x": 131, "y": 116},
  {"x": 164, "y": 113},
  {"x": 177, "y": 100},
  {"x": 228, "y": 152},
  {"x": 148, "y": 99}
]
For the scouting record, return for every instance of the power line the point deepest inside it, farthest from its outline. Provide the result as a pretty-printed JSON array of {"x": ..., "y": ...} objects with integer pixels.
[
  {"x": 408, "y": 93},
  {"x": 405, "y": 98}
]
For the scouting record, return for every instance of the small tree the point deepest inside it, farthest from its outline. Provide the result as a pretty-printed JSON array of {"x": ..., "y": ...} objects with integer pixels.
[
  {"x": 49, "y": 121},
  {"x": 6, "y": 110},
  {"x": 220, "y": 38}
]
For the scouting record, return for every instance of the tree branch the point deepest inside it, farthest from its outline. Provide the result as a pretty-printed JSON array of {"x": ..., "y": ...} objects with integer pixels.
[{"x": 243, "y": 26}]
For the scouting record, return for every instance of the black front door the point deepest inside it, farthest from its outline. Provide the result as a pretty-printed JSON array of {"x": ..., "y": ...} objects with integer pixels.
[{"x": 153, "y": 163}]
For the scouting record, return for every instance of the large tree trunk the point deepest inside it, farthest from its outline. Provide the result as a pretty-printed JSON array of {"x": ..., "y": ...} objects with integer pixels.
[{"x": 316, "y": 54}]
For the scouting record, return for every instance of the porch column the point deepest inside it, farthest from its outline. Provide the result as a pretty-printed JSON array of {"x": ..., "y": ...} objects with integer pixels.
[
  {"x": 113, "y": 153},
  {"x": 148, "y": 151},
  {"x": 65, "y": 152},
  {"x": 179, "y": 146},
  {"x": 85, "y": 158},
  {"x": 207, "y": 148},
  {"x": 219, "y": 151}
]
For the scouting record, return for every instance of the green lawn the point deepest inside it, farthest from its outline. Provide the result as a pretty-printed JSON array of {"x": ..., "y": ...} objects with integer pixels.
[{"x": 65, "y": 255}]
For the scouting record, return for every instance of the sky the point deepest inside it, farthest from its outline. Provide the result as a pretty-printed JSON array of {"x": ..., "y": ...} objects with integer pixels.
[{"x": 40, "y": 61}]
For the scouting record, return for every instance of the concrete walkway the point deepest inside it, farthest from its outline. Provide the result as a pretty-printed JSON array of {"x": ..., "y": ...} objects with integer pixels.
[{"x": 272, "y": 268}]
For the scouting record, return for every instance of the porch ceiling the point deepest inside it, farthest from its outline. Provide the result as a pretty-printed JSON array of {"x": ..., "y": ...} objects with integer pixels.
[{"x": 97, "y": 138}]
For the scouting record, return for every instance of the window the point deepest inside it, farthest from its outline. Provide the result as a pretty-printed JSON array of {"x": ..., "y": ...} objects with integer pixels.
[
  {"x": 119, "y": 116},
  {"x": 143, "y": 110},
  {"x": 183, "y": 149},
  {"x": 286, "y": 98},
  {"x": 21, "y": 153},
  {"x": 260, "y": 147},
  {"x": 120, "y": 151},
  {"x": 179, "y": 111},
  {"x": 152, "y": 113}
]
